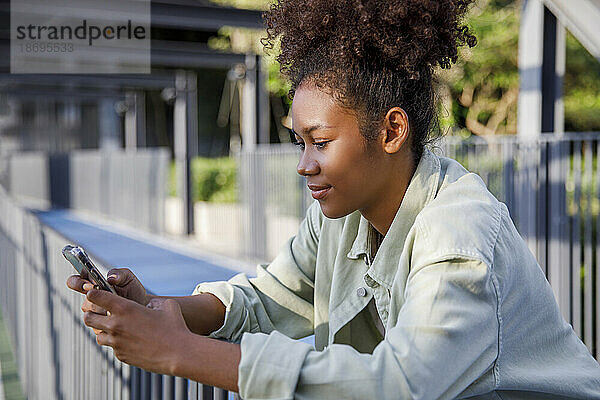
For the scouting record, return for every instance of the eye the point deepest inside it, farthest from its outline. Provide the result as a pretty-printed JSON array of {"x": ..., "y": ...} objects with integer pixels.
[{"x": 320, "y": 145}]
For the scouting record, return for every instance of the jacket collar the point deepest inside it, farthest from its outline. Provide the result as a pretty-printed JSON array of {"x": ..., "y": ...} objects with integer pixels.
[{"x": 421, "y": 190}]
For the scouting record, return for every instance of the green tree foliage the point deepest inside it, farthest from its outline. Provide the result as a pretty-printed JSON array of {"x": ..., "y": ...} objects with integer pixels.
[
  {"x": 213, "y": 180},
  {"x": 581, "y": 89},
  {"x": 479, "y": 94}
]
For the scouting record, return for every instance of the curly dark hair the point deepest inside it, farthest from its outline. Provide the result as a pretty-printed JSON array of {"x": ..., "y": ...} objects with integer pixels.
[{"x": 371, "y": 55}]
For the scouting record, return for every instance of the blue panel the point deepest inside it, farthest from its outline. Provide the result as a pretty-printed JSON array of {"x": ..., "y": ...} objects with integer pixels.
[{"x": 162, "y": 271}]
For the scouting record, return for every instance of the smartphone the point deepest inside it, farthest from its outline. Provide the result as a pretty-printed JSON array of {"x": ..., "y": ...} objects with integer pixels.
[{"x": 86, "y": 268}]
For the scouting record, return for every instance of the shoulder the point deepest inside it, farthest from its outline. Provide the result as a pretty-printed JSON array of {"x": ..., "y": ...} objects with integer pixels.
[{"x": 462, "y": 220}]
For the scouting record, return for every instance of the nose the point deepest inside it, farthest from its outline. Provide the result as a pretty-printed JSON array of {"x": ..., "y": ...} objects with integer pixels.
[{"x": 307, "y": 165}]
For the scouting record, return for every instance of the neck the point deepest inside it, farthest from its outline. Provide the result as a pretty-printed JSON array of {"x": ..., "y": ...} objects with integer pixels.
[{"x": 388, "y": 201}]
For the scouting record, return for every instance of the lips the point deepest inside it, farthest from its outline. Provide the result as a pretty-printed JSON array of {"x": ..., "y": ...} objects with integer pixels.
[{"x": 318, "y": 192}]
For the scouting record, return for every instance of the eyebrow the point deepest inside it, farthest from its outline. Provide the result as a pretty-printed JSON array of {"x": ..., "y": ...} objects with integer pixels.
[{"x": 308, "y": 130}]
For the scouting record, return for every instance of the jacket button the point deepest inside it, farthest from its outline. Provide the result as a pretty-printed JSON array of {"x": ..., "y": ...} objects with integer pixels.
[{"x": 361, "y": 292}]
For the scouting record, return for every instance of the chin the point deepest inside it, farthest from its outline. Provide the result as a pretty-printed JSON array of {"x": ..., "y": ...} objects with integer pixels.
[{"x": 332, "y": 212}]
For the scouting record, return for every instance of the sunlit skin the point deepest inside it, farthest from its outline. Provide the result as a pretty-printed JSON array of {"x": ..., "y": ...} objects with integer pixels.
[
  {"x": 167, "y": 335},
  {"x": 371, "y": 177}
]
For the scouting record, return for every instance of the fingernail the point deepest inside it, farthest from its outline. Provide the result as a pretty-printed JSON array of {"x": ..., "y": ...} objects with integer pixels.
[
  {"x": 87, "y": 286},
  {"x": 111, "y": 276}
]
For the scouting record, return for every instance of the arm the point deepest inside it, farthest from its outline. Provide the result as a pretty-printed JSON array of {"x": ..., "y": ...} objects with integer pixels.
[
  {"x": 202, "y": 313},
  {"x": 280, "y": 297},
  {"x": 158, "y": 340},
  {"x": 445, "y": 338}
]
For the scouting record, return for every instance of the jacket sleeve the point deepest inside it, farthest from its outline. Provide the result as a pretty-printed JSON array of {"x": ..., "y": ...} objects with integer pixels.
[
  {"x": 280, "y": 297},
  {"x": 446, "y": 337}
]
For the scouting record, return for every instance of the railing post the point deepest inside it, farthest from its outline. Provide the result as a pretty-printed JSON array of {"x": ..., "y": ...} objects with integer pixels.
[
  {"x": 186, "y": 141},
  {"x": 558, "y": 253}
]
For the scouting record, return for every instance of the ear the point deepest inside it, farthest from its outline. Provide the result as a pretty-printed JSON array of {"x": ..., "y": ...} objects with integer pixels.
[{"x": 396, "y": 130}]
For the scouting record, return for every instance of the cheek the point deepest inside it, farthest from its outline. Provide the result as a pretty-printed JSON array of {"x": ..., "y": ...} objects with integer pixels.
[
  {"x": 353, "y": 170},
  {"x": 352, "y": 176}
]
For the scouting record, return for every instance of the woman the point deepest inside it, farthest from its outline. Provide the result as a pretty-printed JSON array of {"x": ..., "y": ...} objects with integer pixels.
[{"x": 408, "y": 271}]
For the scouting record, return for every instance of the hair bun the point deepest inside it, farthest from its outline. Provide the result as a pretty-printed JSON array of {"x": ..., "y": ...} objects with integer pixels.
[{"x": 397, "y": 35}]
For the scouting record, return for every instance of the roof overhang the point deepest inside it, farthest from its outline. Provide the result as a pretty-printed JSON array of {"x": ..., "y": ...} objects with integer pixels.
[{"x": 582, "y": 19}]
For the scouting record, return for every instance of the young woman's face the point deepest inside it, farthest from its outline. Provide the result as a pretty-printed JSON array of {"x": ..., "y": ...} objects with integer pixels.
[{"x": 342, "y": 170}]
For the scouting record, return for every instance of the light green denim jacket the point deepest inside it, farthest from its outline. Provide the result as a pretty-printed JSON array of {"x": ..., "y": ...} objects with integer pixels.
[{"x": 467, "y": 310}]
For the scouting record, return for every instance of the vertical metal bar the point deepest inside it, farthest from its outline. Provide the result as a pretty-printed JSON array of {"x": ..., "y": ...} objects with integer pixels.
[
  {"x": 586, "y": 218},
  {"x": 134, "y": 379},
  {"x": 566, "y": 249},
  {"x": 558, "y": 267},
  {"x": 184, "y": 113},
  {"x": 542, "y": 203},
  {"x": 32, "y": 336},
  {"x": 220, "y": 394},
  {"x": 597, "y": 247},
  {"x": 192, "y": 390},
  {"x": 575, "y": 250},
  {"x": 180, "y": 388},
  {"x": 118, "y": 384},
  {"x": 206, "y": 392},
  {"x": 168, "y": 387},
  {"x": 508, "y": 175},
  {"x": 86, "y": 364},
  {"x": 156, "y": 382},
  {"x": 126, "y": 372},
  {"x": 526, "y": 194},
  {"x": 110, "y": 375},
  {"x": 145, "y": 384},
  {"x": 79, "y": 363}
]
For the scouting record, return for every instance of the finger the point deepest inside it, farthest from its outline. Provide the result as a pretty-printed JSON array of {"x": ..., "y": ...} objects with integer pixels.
[
  {"x": 120, "y": 276},
  {"x": 77, "y": 283},
  {"x": 89, "y": 306},
  {"x": 106, "y": 300},
  {"x": 96, "y": 321},
  {"x": 87, "y": 286},
  {"x": 104, "y": 339}
]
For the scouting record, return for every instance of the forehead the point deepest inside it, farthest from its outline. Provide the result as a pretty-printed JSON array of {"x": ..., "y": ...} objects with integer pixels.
[{"x": 312, "y": 106}]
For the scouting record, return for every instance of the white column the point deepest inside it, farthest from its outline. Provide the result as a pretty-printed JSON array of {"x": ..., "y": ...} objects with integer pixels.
[
  {"x": 135, "y": 120},
  {"x": 109, "y": 125},
  {"x": 249, "y": 105},
  {"x": 561, "y": 66},
  {"x": 531, "y": 38}
]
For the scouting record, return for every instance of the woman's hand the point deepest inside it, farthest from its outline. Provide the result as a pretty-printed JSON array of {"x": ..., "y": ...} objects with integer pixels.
[
  {"x": 77, "y": 283},
  {"x": 126, "y": 285},
  {"x": 150, "y": 338}
]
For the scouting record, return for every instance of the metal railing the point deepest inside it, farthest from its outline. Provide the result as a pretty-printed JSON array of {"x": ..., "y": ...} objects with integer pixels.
[
  {"x": 57, "y": 355},
  {"x": 273, "y": 199},
  {"x": 127, "y": 186}
]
